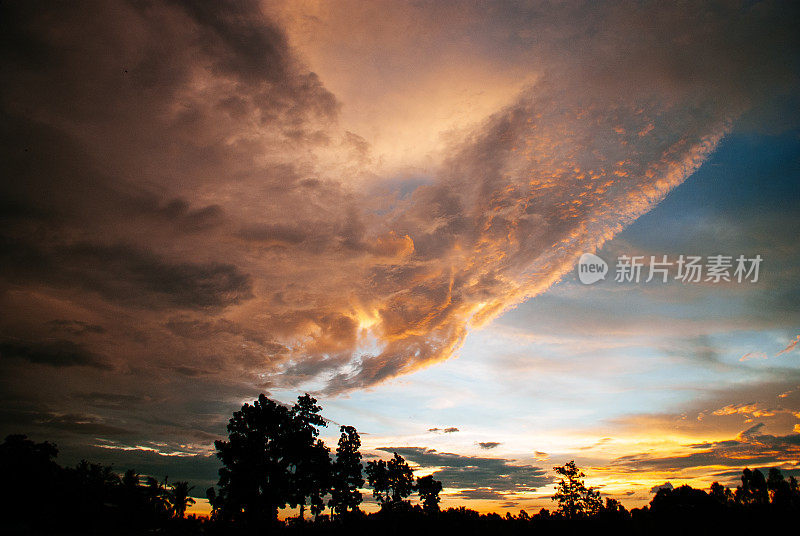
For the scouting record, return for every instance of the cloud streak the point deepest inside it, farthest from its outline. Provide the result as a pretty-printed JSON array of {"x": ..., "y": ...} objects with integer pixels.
[{"x": 789, "y": 347}]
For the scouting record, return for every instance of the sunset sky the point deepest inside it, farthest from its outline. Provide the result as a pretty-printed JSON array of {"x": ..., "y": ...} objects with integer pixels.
[{"x": 383, "y": 204}]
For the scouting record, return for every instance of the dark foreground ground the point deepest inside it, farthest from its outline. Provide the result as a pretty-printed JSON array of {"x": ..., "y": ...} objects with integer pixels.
[{"x": 684, "y": 520}]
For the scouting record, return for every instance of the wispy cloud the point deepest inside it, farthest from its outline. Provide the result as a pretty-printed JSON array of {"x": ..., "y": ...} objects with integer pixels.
[{"x": 791, "y": 346}]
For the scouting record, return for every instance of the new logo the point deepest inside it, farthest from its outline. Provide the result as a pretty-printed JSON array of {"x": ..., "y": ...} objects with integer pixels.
[{"x": 591, "y": 269}]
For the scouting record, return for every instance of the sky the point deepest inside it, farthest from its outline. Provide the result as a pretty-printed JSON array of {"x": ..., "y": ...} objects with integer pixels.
[{"x": 383, "y": 204}]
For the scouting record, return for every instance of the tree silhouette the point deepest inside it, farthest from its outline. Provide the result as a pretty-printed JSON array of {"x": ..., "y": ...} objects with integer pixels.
[
  {"x": 391, "y": 481},
  {"x": 683, "y": 501},
  {"x": 254, "y": 481},
  {"x": 310, "y": 458},
  {"x": 780, "y": 491},
  {"x": 157, "y": 496},
  {"x": 794, "y": 491},
  {"x": 573, "y": 497},
  {"x": 378, "y": 478},
  {"x": 753, "y": 490},
  {"x": 401, "y": 478},
  {"x": 179, "y": 498},
  {"x": 28, "y": 470},
  {"x": 131, "y": 480},
  {"x": 347, "y": 473},
  {"x": 614, "y": 510},
  {"x": 272, "y": 459},
  {"x": 720, "y": 493},
  {"x": 92, "y": 486},
  {"x": 428, "y": 490},
  {"x": 131, "y": 497}
]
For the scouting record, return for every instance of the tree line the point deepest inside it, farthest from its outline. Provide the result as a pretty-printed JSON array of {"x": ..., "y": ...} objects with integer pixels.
[{"x": 274, "y": 459}]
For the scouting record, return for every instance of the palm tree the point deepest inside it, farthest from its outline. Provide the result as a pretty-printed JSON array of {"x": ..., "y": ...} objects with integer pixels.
[{"x": 179, "y": 497}]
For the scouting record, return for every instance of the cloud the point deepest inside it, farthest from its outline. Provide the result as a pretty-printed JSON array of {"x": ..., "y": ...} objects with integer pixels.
[
  {"x": 750, "y": 447},
  {"x": 750, "y": 410},
  {"x": 448, "y": 430},
  {"x": 58, "y": 354},
  {"x": 762, "y": 355},
  {"x": 74, "y": 423},
  {"x": 199, "y": 469},
  {"x": 791, "y": 346},
  {"x": 130, "y": 276},
  {"x": 476, "y": 477},
  {"x": 488, "y": 445},
  {"x": 665, "y": 485},
  {"x": 109, "y": 400},
  {"x": 193, "y": 191},
  {"x": 75, "y": 327}
]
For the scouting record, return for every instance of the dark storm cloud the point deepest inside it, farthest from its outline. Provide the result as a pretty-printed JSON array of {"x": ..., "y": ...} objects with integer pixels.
[
  {"x": 256, "y": 51},
  {"x": 476, "y": 477},
  {"x": 109, "y": 400},
  {"x": 59, "y": 354},
  {"x": 36, "y": 422},
  {"x": 127, "y": 275}
]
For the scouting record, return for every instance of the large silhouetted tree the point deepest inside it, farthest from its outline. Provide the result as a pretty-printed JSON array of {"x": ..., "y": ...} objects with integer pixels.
[
  {"x": 347, "y": 473},
  {"x": 254, "y": 480},
  {"x": 272, "y": 459},
  {"x": 391, "y": 481},
  {"x": 573, "y": 497},
  {"x": 428, "y": 490}
]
